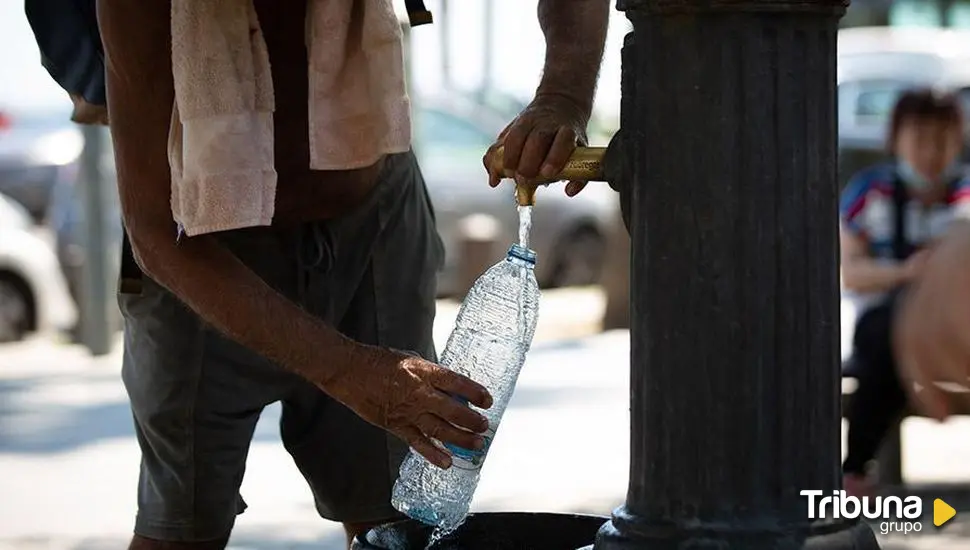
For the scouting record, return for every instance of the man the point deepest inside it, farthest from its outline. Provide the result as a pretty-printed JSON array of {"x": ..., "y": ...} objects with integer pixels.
[
  {"x": 932, "y": 329},
  {"x": 342, "y": 280}
]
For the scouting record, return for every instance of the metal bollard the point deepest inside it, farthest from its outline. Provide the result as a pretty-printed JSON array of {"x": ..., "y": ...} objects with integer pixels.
[
  {"x": 616, "y": 277},
  {"x": 96, "y": 296}
]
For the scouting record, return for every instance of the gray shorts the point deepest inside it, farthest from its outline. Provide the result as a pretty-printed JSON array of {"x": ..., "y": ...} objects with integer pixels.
[{"x": 196, "y": 395}]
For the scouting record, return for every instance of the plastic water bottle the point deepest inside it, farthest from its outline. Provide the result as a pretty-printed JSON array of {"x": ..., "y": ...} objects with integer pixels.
[{"x": 493, "y": 332}]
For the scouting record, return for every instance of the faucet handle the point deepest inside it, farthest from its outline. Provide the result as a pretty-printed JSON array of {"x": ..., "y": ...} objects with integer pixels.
[{"x": 585, "y": 164}]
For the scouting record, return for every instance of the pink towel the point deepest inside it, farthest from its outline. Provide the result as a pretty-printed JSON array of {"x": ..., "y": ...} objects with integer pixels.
[{"x": 221, "y": 139}]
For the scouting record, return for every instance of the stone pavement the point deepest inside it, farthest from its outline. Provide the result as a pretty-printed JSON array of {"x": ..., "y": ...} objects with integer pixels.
[{"x": 68, "y": 461}]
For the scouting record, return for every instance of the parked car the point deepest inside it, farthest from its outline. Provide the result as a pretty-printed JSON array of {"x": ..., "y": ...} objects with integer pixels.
[
  {"x": 33, "y": 292},
  {"x": 875, "y": 65},
  {"x": 451, "y": 133},
  {"x": 37, "y": 151}
]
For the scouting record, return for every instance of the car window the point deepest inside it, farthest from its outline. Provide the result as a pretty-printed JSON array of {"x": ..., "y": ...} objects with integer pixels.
[
  {"x": 875, "y": 101},
  {"x": 444, "y": 139},
  {"x": 438, "y": 129}
]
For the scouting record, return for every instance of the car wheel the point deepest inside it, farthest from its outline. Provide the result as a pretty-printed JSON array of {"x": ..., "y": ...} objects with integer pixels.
[
  {"x": 15, "y": 310},
  {"x": 579, "y": 259}
]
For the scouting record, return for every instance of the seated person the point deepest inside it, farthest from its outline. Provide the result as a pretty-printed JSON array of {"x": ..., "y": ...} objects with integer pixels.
[{"x": 889, "y": 214}]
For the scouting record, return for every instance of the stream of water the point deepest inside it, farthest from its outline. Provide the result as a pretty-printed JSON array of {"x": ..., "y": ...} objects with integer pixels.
[{"x": 525, "y": 225}]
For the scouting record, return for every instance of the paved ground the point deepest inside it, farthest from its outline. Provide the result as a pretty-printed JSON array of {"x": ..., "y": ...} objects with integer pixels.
[{"x": 68, "y": 462}]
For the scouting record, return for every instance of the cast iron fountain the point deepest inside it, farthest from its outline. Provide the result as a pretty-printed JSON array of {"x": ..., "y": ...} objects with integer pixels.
[{"x": 726, "y": 168}]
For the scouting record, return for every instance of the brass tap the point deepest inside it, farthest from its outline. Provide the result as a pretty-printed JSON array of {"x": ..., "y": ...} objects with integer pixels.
[
  {"x": 585, "y": 164},
  {"x": 525, "y": 195}
]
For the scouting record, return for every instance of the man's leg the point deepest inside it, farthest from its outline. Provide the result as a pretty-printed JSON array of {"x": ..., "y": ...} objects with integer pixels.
[
  {"x": 196, "y": 397},
  {"x": 382, "y": 289}
]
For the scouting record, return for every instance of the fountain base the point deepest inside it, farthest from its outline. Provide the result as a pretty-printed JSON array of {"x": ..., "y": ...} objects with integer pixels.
[{"x": 490, "y": 531}]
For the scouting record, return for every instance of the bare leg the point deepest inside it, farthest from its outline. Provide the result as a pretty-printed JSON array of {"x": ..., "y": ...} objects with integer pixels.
[{"x": 141, "y": 543}]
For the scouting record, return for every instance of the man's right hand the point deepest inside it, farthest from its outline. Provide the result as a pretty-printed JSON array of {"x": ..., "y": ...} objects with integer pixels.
[{"x": 412, "y": 398}]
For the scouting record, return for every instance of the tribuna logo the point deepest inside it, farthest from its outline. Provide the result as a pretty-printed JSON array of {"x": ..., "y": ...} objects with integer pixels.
[{"x": 905, "y": 511}]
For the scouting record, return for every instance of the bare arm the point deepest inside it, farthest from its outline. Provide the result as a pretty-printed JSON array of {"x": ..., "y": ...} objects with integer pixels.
[
  {"x": 541, "y": 139},
  {"x": 141, "y": 95},
  {"x": 575, "y": 32},
  {"x": 863, "y": 273}
]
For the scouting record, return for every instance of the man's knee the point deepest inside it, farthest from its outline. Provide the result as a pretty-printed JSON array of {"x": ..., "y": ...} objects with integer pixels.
[{"x": 142, "y": 543}]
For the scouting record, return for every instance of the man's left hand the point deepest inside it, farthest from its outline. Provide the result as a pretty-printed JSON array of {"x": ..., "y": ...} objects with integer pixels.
[{"x": 539, "y": 141}]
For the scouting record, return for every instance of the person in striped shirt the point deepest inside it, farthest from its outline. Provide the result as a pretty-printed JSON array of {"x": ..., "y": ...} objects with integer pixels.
[{"x": 891, "y": 215}]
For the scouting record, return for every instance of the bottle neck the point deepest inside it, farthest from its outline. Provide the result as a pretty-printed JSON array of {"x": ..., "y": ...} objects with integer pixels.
[
  {"x": 521, "y": 256},
  {"x": 520, "y": 262}
]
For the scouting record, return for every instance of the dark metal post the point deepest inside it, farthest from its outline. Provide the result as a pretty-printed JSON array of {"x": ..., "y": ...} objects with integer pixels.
[{"x": 729, "y": 127}]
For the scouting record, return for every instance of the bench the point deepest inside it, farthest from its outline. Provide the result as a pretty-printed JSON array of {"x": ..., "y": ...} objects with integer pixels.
[{"x": 889, "y": 459}]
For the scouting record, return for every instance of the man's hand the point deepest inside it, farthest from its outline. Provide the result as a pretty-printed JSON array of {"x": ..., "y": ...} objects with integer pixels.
[
  {"x": 539, "y": 142},
  {"x": 412, "y": 398},
  {"x": 931, "y": 334}
]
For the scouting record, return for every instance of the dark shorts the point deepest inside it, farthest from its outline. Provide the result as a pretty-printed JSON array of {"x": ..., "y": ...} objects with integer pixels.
[{"x": 196, "y": 395}]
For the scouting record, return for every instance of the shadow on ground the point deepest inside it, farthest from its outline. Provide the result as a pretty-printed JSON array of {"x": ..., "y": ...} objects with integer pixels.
[
  {"x": 240, "y": 541},
  {"x": 63, "y": 412}
]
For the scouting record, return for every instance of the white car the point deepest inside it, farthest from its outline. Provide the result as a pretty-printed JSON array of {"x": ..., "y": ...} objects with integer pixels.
[
  {"x": 875, "y": 65},
  {"x": 33, "y": 292}
]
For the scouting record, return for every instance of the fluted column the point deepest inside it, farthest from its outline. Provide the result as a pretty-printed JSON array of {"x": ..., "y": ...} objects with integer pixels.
[{"x": 729, "y": 134}]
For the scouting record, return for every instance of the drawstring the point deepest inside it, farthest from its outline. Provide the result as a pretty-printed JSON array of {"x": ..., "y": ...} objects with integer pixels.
[
  {"x": 322, "y": 251},
  {"x": 315, "y": 253}
]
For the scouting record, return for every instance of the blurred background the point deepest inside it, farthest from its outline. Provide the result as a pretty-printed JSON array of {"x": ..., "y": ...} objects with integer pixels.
[{"x": 68, "y": 459}]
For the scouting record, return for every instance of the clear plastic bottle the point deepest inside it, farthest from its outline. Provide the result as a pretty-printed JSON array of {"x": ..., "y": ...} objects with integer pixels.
[{"x": 492, "y": 334}]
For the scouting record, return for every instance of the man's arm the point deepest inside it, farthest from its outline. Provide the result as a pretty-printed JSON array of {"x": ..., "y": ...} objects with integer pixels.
[
  {"x": 575, "y": 33},
  {"x": 388, "y": 389},
  {"x": 198, "y": 270},
  {"x": 541, "y": 138}
]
